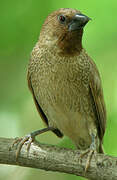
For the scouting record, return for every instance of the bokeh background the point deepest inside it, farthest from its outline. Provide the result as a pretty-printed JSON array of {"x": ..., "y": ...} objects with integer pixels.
[{"x": 20, "y": 24}]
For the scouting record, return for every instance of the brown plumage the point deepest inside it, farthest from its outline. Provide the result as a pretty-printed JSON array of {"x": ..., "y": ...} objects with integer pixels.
[{"x": 65, "y": 82}]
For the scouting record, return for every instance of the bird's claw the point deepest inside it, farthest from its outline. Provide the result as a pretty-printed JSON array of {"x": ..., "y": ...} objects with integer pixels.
[
  {"x": 90, "y": 152},
  {"x": 28, "y": 139}
]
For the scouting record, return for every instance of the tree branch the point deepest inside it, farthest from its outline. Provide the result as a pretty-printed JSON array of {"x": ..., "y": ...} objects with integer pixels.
[{"x": 53, "y": 158}]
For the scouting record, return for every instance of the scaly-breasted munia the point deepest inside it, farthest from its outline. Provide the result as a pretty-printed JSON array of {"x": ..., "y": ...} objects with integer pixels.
[{"x": 65, "y": 82}]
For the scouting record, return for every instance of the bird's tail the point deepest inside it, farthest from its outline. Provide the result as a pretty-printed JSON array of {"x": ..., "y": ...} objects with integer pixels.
[{"x": 101, "y": 149}]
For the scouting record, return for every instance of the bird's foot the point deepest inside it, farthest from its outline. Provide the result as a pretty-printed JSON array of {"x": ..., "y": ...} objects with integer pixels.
[
  {"x": 90, "y": 151},
  {"x": 28, "y": 139},
  {"x": 19, "y": 142}
]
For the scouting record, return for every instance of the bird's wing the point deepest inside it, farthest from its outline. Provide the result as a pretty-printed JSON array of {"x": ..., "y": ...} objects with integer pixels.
[
  {"x": 97, "y": 94},
  {"x": 39, "y": 109}
]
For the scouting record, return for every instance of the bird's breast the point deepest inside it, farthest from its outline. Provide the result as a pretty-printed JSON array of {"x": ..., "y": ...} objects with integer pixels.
[{"x": 62, "y": 83}]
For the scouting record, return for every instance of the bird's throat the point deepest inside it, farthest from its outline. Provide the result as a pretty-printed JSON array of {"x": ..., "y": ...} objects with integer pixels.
[{"x": 70, "y": 44}]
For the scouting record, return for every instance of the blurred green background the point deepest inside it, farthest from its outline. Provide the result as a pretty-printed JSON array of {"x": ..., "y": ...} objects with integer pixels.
[{"x": 20, "y": 24}]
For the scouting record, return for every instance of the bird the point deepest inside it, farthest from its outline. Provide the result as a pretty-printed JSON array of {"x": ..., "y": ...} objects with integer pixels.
[{"x": 65, "y": 83}]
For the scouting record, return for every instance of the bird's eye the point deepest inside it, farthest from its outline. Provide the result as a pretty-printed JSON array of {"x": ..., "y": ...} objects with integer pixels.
[{"x": 61, "y": 18}]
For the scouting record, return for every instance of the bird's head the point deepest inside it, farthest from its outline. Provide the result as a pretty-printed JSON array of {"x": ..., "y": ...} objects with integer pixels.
[{"x": 63, "y": 29}]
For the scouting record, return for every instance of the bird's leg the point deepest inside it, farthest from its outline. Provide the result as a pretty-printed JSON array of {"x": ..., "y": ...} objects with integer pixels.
[
  {"x": 28, "y": 139},
  {"x": 92, "y": 149}
]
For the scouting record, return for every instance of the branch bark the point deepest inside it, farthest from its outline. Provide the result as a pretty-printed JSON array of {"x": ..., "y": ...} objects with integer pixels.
[{"x": 53, "y": 158}]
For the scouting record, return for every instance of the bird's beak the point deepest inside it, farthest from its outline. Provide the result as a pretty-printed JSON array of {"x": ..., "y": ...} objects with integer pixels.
[{"x": 78, "y": 22}]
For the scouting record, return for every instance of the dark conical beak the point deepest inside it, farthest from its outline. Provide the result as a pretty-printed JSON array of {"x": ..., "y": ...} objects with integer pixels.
[{"x": 78, "y": 22}]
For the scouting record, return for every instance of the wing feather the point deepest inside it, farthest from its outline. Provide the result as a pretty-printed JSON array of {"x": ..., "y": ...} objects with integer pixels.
[
  {"x": 98, "y": 98},
  {"x": 39, "y": 109}
]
